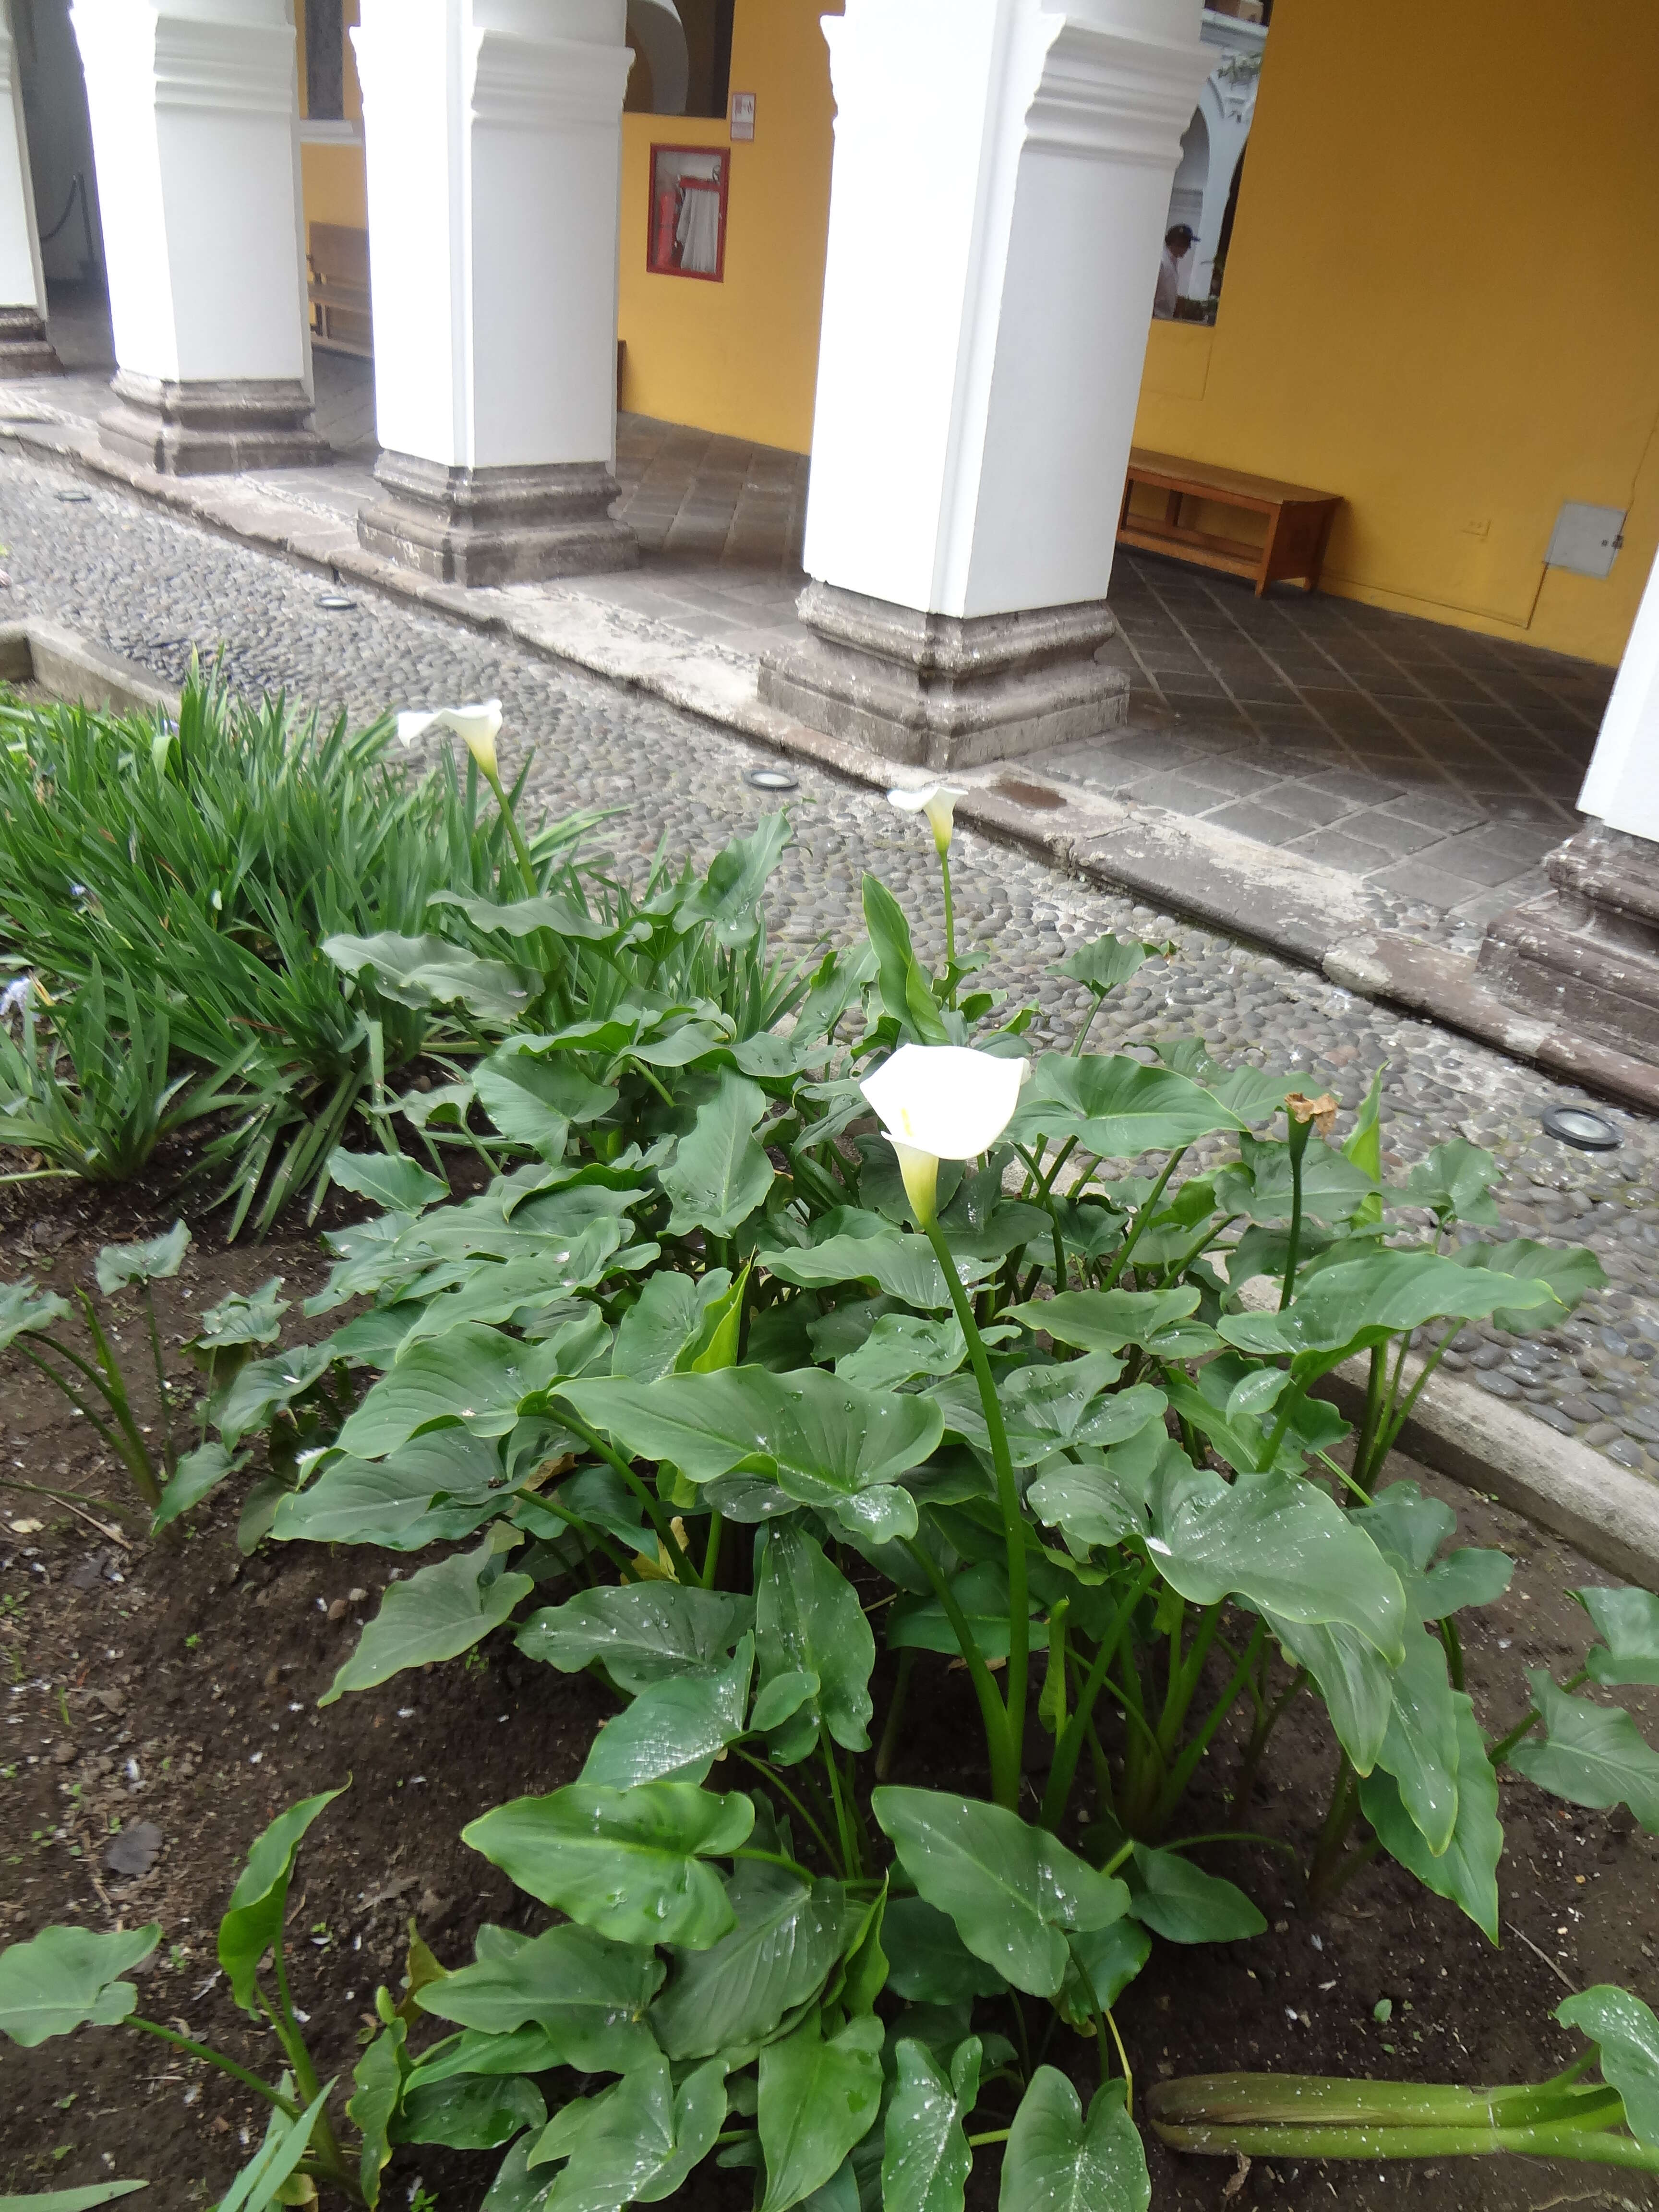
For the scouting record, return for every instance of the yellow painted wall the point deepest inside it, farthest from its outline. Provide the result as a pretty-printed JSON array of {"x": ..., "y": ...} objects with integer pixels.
[
  {"x": 740, "y": 356},
  {"x": 1442, "y": 301},
  {"x": 332, "y": 177}
]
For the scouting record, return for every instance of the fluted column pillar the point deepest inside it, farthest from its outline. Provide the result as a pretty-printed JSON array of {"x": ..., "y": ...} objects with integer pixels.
[{"x": 23, "y": 347}]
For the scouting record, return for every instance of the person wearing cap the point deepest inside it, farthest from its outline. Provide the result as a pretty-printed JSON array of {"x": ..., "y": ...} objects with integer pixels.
[{"x": 1178, "y": 244}]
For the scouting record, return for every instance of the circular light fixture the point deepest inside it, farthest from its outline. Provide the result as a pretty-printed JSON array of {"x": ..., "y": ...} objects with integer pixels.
[
  {"x": 335, "y": 603},
  {"x": 771, "y": 779},
  {"x": 73, "y": 498},
  {"x": 1576, "y": 1125}
]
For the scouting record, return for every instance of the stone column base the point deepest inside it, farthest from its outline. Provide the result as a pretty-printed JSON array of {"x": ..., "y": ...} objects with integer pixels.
[
  {"x": 941, "y": 692},
  {"x": 1587, "y": 954},
  {"x": 498, "y": 525},
  {"x": 209, "y": 428},
  {"x": 24, "y": 349}
]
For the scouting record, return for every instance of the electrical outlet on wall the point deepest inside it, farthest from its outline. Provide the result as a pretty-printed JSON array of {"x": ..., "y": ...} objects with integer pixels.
[
  {"x": 1586, "y": 539},
  {"x": 1477, "y": 525}
]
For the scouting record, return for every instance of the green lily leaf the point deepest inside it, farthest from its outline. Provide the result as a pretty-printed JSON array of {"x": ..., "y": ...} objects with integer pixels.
[
  {"x": 825, "y": 1444},
  {"x": 1107, "y": 961},
  {"x": 118, "y": 1265},
  {"x": 1105, "y": 1320},
  {"x": 437, "y": 1614},
  {"x": 1057, "y": 2160},
  {"x": 255, "y": 1319},
  {"x": 533, "y": 1101},
  {"x": 1254, "y": 1094},
  {"x": 808, "y": 1621},
  {"x": 391, "y": 1501},
  {"x": 637, "y": 2143},
  {"x": 1466, "y": 1872},
  {"x": 1570, "y": 1273},
  {"x": 260, "y": 2181},
  {"x": 1050, "y": 1409},
  {"x": 720, "y": 1173},
  {"x": 1420, "y": 1749},
  {"x": 1261, "y": 1187},
  {"x": 922, "y": 1623},
  {"x": 667, "y": 1319},
  {"x": 425, "y": 971},
  {"x": 900, "y": 1267},
  {"x": 674, "y": 1730},
  {"x": 631, "y": 1864},
  {"x": 1455, "y": 1181},
  {"x": 391, "y": 1179},
  {"x": 729, "y": 897},
  {"x": 1114, "y": 1107},
  {"x": 1014, "y": 1890},
  {"x": 525, "y": 917},
  {"x": 197, "y": 1474},
  {"x": 644, "y": 1632},
  {"x": 1591, "y": 1754},
  {"x": 473, "y": 1375},
  {"x": 1358, "y": 1304},
  {"x": 69, "y": 1977},
  {"x": 819, "y": 2096},
  {"x": 1280, "y": 1541},
  {"x": 25, "y": 1311},
  {"x": 1628, "y": 1622},
  {"x": 473, "y": 2111},
  {"x": 265, "y": 1387},
  {"x": 1102, "y": 1497},
  {"x": 530, "y": 2050},
  {"x": 732, "y": 1996},
  {"x": 1353, "y": 1678},
  {"x": 1180, "y": 1901},
  {"x": 928, "y": 1963},
  {"x": 585, "y": 1993},
  {"x": 377, "y": 2091},
  {"x": 253, "y": 1921},
  {"x": 1111, "y": 1958},
  {"x": 901, "y": 1346},
  {"x": 1627, "y": 2038},
  {"x": 71, "y": 2200},
  {"x": 926, "y": 2162}
]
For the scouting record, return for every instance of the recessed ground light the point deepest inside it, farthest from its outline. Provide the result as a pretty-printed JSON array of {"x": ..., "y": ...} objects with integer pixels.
[
  {"x": 771, "y": 779},
  {"x": 74, "y": 498},
  {"x": 1576, "y": 1125},
  {"x": 335, "y": 603}
]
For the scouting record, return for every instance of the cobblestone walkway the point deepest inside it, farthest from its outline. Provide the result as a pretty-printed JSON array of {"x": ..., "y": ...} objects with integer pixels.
[{"x": 148, "y": 586}]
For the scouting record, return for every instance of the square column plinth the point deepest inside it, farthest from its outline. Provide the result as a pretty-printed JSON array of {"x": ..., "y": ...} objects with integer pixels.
[
  {"x": 943, "y": 691},
  {"x": 1586, "y": 955},
  {"x": 24, "y": 349},
  {"x": 503, "y": 525},
  {"x": 211, "y": 427}
]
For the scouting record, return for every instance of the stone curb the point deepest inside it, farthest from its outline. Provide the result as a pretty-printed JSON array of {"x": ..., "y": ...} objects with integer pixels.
[{"x": 1312, "y": 915}]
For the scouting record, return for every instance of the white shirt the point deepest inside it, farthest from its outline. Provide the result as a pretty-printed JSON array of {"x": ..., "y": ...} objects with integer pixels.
[{"x": 1168, "y": 290}]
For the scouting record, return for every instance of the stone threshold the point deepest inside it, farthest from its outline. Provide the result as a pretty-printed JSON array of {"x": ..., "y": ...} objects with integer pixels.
[{"x": 1318, "y": 916}]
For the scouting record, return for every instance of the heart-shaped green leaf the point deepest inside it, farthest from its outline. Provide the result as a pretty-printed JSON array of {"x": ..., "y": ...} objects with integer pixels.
[
  {"x": 1420, "y": 1748},
  {"x": 1014, "y": 1891},
  {"x": 808, "y": 1622},
  {"x": 1589, "y": 1754},
  {"x": 1626, "y": 2037},
  {"x": 1057, "y": 2160},
  {"x": 636, "y": 2143},
  {"x": 786, "y": 1938},
  {"x": 720, "y": 1173},
  {"x": 819, "y": 2096},
  {"x": 474, "y": 1376},
  {"x": 1181, "y": 1902},
  {"x": 674, "y": 1730},
  {"x": 1466, "y": 1870},
  {"x": 588, "y": 1995},
  {"x": 472, "y": 2111},
  {"x": 643, "y": 1632},
  {"x": 1114, "y": 1107},
  {"x": 391, "y": 1179},
  {"x": 66, "y": 1977},
  {"x": 1105, "y": 1320},
  {"x": 925, "y": 2159},
  {"x": 153, "y": 1262},
  {"x": 631, "y": 1864},
  {"x": 1628, "y": 1622}
]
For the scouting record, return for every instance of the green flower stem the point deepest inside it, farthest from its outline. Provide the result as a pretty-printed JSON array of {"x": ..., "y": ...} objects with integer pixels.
[
  {"x": 760, "y": 1767},
  {"x": 1143, "y": 1215},
  {"x": 160, "y": 1377},
  {"x": 950, "y": 924},
  {"x": 1300, "y": 1133},
  {"x": 1239, "y": 1805},
  {"x": 1005, "y": 1762},
  {"x": 1013, "y": 1527},
  {"x": 1562, "y": 2141},
  {"x": 1365, "y": 1447},
  {"x": 492, "y": 776},
  {"x": 659, "y": 1520},
  {"x": 1454, "y": 1647},
  {"x": 212, "y": 2057},
  {"x": 1499, "y": 1752},
  {"x": 888, "y": 1747},
  {"x": 711, "y": 1558},
  {"x": 1043, "y": 1192},
  {"x": 1184, "y": 1768},
  {"x": 1082, "y": 1037},
  {"x": 991, "y": 2136},
  {"x": 115, "y": 1390},
  {"x": 1068, "y": 1749}
]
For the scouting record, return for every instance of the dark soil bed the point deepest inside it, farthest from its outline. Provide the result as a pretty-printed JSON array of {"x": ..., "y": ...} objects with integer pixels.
[{"x": 175, "y": 1683}]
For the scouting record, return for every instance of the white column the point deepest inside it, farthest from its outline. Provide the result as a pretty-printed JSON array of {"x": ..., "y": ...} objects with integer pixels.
[
  {"x": 1002, "y": 172},
  {"x": 195, "y": 128},
  {"x": 23, "y": 347},
  {"x": 1622, "y": 787},
  {"x": 493, "y": 137}
]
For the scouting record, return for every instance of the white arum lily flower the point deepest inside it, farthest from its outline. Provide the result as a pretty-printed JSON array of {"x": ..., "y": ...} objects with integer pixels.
[
  {"x": 938, "y": 801},
  {"x": 478, "y": 726},
  {"x": 941, "y": 1102}
]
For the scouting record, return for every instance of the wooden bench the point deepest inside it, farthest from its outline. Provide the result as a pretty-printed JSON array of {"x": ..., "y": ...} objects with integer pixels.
[
  {"x": 1299, "y": 520},
  {"x": 338, "y": 258}
]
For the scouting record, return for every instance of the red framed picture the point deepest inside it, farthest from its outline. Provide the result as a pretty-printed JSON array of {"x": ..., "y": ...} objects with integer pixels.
[{"x": 687, "y": 233}]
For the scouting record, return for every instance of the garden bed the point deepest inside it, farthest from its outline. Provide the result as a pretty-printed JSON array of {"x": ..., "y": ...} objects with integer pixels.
[{"x": 205, "y": 1667}]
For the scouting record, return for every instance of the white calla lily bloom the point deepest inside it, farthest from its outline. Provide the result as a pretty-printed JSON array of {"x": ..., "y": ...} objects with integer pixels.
[
  {"x": 941, "y": 1102},
  {"x": 478, "y": 726},
  {"x": 938, "y": 801}
]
